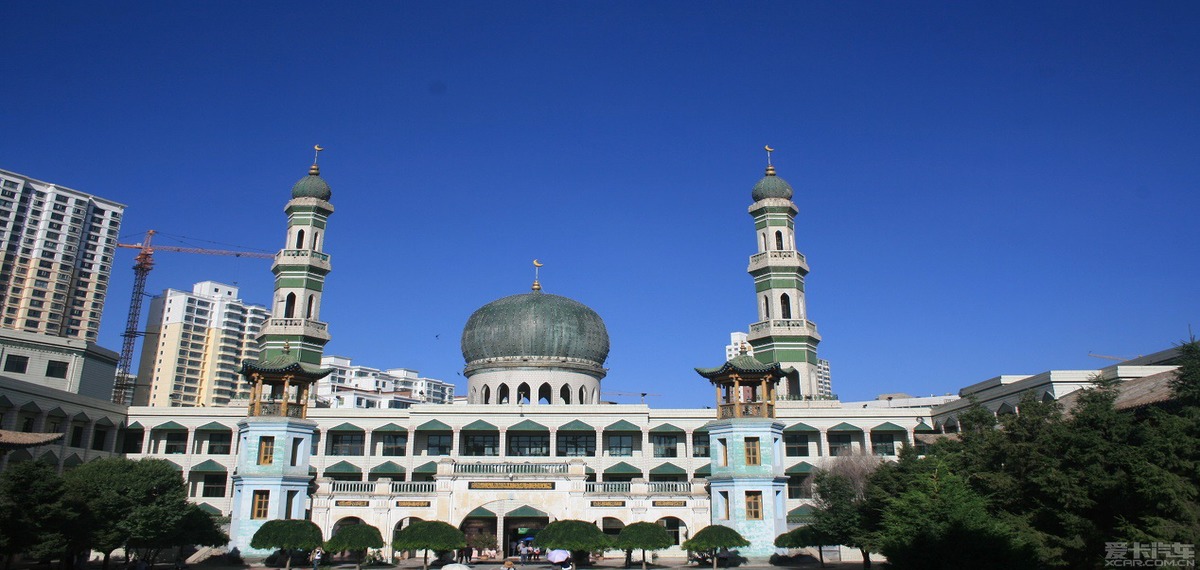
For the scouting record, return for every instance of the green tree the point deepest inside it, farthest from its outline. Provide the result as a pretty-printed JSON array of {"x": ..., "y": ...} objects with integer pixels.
[
  {"x": 579, "y": 537},
  {"x": 429, "y": 535},
  {"x": 356, "y": 538},
  {"x": 943, "y": 524},
  {"x": 644, "y": 536},
  {"x": 289, "y": 535},
  {"x": 33, "y": 518},
  {"x": 837, "y": 517},
  {"x": 711, "y": 539},
  {"x": 1185, "y": 386},
  {"x": 804, "y": 537}
]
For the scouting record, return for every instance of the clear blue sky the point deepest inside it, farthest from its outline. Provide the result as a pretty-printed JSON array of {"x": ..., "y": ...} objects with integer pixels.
[{"x": 984, "y": 188}]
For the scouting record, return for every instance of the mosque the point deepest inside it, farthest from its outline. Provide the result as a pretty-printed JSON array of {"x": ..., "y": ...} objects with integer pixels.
[{"x": 533, "y": 443}]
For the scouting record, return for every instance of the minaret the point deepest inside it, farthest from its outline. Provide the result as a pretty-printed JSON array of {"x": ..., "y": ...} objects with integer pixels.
[
  {"x": 783, "y": 333},
  {"x": 747, "y": 484},
  {"x": 276, "y": 438}
]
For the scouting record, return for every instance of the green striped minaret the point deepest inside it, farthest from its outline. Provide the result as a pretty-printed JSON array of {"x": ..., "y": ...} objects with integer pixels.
[
  {"x": 783, "y": 333},
  {"x": 300, "y": 268}
]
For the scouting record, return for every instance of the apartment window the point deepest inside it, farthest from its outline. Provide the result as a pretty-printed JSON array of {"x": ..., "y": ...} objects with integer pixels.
[
  {"x": 349, "y": 443},
  {"x": 481, "y": 444},
  {"x": 259, "y": 508},
  {"x": 576, "y": 444},
  {"x": 439, "y": 444},
  {"x": 620, "y": 445},
  {"x": 752, "y": 452},
  {"x": 99, "y": 437},
  {"x": 664, "y": 445},
  {"x": 56, "y": 369},
  {"x": 799, "y": 487},
  {"x": 795, "y": 444},
  {"x": 883, "y": 444},
  {"x": 699, "y": 445},
  {"x": 754, "y": 505},
  {"x": 16, "y": 363},
  {"x": 175, "y": 442},
  {"x": 393, "y": 445},
  {"x": 840, "y": 444},
  {"x": 214, "y": 485},
  {"x": 266, "y": 453},
  {"x": 219, "y": 442},
  {"x": 529, "y": 445}
]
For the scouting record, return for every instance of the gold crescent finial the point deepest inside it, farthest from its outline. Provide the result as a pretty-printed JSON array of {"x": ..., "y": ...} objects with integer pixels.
[
  {"x": 313, "y": 170},
  {"x": 770, "y": 169},
  {"x": 536, "y": 265}
]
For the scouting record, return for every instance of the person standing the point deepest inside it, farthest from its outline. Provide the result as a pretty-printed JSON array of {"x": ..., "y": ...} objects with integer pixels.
[{"x": 316, "y": 558}]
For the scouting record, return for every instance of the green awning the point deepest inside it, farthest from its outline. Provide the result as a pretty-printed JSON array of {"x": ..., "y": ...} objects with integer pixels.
[
  {"x": 705, "y": 471},
  {"x": 5, "y": 402},
  {"x": 801, "y": 514},
  {"x": 173, "y": 465},
  {"x": 430, "y": 467},
  {"x": 72, "y": 460},
  {"x": 701, "y": 429},
  {"x": 345, "y": 427},
  {"x": 802, "y": 468},
  {"x": 525, "y": 511},
  {"x": 390, "y": 428},
  {"x": 312, "y": 471},
  {"x": 845, "y": 427},
  {"x": 622, "y": 426},
  {"x": 104, "y": 421},
  {"x": 528, "y": 425},
  {"x": 924, "y": 428},
  {"x": 433, "y": 425},
  {"x": 668, "y": 469},
  {"x": 170, "y": 425},
  {"x": 210, "y": 509},
  {"x": 482, "y": 513},
  {"x": 576, "y": 425},
  {"x": 57, "y": 412},
  {"x": 799, "y": 428},
  {"x": 209, "y": 466},
  {"x": 343, "y": 467},
  {"x": 622, "y": 468},
  {"x": 134, "y": 425},
  {"x": 666, "y": 428},
  {"x": 214, "y": 426},
  {"x": 888, "y": 426},
  {"x": 589, "y": 470},
  {"x": 479, "y": 425},
  {"x": 387, "y": 468}
]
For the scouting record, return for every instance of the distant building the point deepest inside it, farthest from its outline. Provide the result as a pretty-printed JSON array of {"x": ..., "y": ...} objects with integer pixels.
[
  {"x": 737, "y": 344},
  {"x": 58, "y": 249},
  {"x": 195, "y": 344},
  {"x": 356, "y": 386},
  {"x": 824, "y": 379},
  {"x": 66, "y": 364}
]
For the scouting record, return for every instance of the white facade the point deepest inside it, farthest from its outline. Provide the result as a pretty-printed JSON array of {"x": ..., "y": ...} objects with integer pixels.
[
  {"x": 57, "y": 246},
  {"x": 195, "y": 344},
  {"x": 356, "y": 386}
]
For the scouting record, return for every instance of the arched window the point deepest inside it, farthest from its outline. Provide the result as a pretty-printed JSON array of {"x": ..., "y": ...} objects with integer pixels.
[
  {"x": 471, "y": 398},
  {"x": 785, "y": 306},
  {"x": 300, "y": 239},
  {"x": 565, "y": 394},
  {"x": 523, "y": 393},
  {"x": 675, "y": 527},
  {"x": 487, "y": 394},
  {"x": 779, "y": 240},
  {"x": 308, "y": 314},
  {"x": 316, "y": 244},
  {"x": 289, "y": 306},
  {"x": 764, "y": 240},
  {"x": 545, "y": 394},
  {"x": 766, "y": 308},
  {"x": 502, "y": 394},
  {"x": 583, "y": 396}
]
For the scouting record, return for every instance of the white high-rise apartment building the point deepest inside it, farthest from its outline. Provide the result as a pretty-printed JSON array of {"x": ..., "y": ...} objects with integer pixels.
[
  {"x": 824, "y": 379},
  {"x": 194, "y": 347},
  {"x": 58, "y": 247},
  {"x": 737, "y": 344},
  {"x": 355, "y": 386}
]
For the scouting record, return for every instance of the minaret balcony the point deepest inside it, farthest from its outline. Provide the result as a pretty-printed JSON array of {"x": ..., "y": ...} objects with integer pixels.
[
  {"x": 306, "y": 327},
  {"x": 784, "y": 327},
  {"x": 777, "y": 258},
  {"x": 303, "y": 256}
]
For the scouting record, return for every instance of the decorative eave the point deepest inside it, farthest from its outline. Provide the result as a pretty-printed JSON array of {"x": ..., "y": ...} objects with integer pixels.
[
  {"x": 744, "y": 365},
  {"x": 285, "y": 364},
  {"x": 18, "y": 439}
]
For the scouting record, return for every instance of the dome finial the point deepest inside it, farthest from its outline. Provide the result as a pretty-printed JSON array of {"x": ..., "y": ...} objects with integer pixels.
[
  {"x": 314, "y": 170},
  {"x": 770, "y": 169},
  {"x": 536, "y": 265}
]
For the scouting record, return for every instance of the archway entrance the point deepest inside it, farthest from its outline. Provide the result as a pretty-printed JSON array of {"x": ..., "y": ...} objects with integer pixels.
[
  {"x": 481, "y": 522},
  {"x": 521, "y": 525}
]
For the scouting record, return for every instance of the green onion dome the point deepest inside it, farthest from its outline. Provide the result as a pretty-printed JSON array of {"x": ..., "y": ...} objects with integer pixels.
[
  {"x": 535, "y": 326},
  {"x": 771, "y": 186},
  {"x": 312, "y": 186}
]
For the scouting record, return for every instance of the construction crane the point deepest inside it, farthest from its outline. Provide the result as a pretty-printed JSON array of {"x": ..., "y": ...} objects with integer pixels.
[
  {"x": 1107, "y": 357},
  {"x": 143, "y": 263},
  {"x": 642, "y": 395}
]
